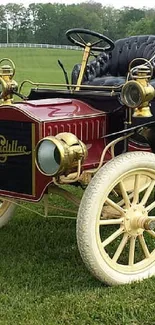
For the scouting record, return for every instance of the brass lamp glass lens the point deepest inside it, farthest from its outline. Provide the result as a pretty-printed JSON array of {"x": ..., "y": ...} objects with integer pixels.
[
  {"x": 48, "y": 157},
  {"x": 132, "y": 95}
]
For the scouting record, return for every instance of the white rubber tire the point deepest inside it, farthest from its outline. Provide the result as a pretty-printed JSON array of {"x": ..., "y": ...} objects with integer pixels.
[
  {"x": 92, "y": 200},
  {"x": 6, "y": 212}
]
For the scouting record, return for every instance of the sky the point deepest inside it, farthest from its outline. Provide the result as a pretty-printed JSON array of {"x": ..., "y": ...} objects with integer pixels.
[{"x": 114, "y": 3}]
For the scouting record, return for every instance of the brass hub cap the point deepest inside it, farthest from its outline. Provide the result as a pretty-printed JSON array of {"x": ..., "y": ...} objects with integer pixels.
[{"x": 135, "y": 218}]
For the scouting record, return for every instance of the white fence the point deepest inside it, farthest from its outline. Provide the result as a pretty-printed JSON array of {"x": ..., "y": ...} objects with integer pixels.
[{"x": 47, "y": 46}]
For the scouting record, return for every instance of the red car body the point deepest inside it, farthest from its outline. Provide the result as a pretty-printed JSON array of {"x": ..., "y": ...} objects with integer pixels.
[{"x": 56, "y": 137}]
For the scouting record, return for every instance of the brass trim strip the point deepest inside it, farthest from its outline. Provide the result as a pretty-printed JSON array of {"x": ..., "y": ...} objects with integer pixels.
[
  {"x": 33, "y": 159},
  {"x": 73, "y": 86}
]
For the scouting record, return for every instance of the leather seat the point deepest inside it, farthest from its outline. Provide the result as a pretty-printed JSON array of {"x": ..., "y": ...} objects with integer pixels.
[{"x": 110, "y": 69}]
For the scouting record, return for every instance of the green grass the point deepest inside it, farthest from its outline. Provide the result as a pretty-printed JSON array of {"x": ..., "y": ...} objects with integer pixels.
[
  {"x": 42, "y": 278},
  {"x": 41, "y": 65}
]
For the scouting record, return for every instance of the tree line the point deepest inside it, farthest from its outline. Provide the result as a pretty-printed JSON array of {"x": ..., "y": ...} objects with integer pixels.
[{"x": 47, "y": 23}]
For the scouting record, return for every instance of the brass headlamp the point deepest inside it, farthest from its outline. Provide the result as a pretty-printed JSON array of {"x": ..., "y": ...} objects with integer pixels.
[
  {"x": 60, "y": 154},
  {"x": 138, "y": 93}
]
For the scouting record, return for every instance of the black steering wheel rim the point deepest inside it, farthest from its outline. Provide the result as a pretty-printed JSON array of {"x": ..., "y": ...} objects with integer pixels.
[{"x": 92, "y": 33}]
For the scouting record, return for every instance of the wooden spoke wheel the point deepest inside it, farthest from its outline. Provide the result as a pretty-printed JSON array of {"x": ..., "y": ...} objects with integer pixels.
[
  {"x": 6, "y": 211},
  {"x": 116, "y": 220}
]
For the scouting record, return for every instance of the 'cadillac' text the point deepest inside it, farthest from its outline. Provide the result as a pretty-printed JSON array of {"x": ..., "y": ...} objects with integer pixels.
[{"x": 11, "y": 148}]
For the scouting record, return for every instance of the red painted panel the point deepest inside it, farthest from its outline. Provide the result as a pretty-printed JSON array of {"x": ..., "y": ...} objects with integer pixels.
[
  {"x": 57, "y": 109},
  {"x": 51, "y": 117}
]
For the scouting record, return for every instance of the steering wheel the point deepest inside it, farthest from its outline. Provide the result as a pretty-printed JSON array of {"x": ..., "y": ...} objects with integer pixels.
[{"x": 75, "y": 36}]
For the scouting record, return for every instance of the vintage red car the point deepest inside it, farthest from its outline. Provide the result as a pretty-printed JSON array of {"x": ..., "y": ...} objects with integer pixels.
[{"x": 96, "y": 131}]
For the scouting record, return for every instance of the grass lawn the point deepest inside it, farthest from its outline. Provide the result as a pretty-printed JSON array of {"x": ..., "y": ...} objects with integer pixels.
[
  {"x": 41, "y": 64},
  {"x": 42, "y": 278}
]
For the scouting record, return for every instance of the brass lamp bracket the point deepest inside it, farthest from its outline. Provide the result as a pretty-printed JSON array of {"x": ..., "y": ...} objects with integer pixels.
[{"x": 7, "y": 72}]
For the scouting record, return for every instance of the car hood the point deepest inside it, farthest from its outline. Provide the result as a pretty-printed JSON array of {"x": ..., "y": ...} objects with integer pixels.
[{"x": 57, "y": 109}]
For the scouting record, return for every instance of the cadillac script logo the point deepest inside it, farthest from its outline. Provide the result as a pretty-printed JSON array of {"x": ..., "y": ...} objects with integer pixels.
[{"x": 10, "y": 149}]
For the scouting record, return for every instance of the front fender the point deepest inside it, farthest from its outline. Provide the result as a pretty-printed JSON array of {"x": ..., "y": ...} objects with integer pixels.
[{"x": 148, "y": 132}]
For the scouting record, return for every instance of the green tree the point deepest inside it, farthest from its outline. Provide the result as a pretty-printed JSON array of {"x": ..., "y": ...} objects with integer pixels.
[
  {"x": 110, "y": 18},
  {"x": 14, "y": 13},
  {"x": 48, "y": 23},
  {"x": 129, "y": 16},
  {"x": 3, "y": 25}
]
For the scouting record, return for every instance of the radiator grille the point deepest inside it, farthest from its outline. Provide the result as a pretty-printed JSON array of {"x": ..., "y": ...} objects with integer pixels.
[
  {"x": 16, "y": 157},
  {"x": 85, "y": 130}
]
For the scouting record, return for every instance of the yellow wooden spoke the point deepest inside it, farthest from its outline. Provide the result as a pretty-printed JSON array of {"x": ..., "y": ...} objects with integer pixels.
[
  {"x": 151, "y": 232},
  {"x": 115, "y": 205},
  {"x": 132, "y": 250},
  {"x": 125, "y": 195},
  {"x": 144, "y": 246},
  {"x": 150, "y": 206},
  {"x": 121, "y": 202},
  {"x": 148, "y": 192},
  {"x": 110, "y": 222},
  {"x": 112, "y": 237},
  {"x": 120, "y": 247},
  {"x": 136, "y": 189}
]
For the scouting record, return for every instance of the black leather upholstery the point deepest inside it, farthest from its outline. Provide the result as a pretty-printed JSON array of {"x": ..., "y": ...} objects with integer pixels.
[{"x": 111, "y": 68}]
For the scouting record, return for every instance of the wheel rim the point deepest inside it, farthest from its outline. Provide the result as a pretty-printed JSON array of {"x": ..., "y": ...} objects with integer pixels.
[
  {"x": 126, "y": 239},
  {"x": 4, "y": 205}
]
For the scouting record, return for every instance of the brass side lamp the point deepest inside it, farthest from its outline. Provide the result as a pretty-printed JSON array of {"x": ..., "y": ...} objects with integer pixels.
[
  {"x": 138, "y": 93},
  {"x": 7, "y": 83}
]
